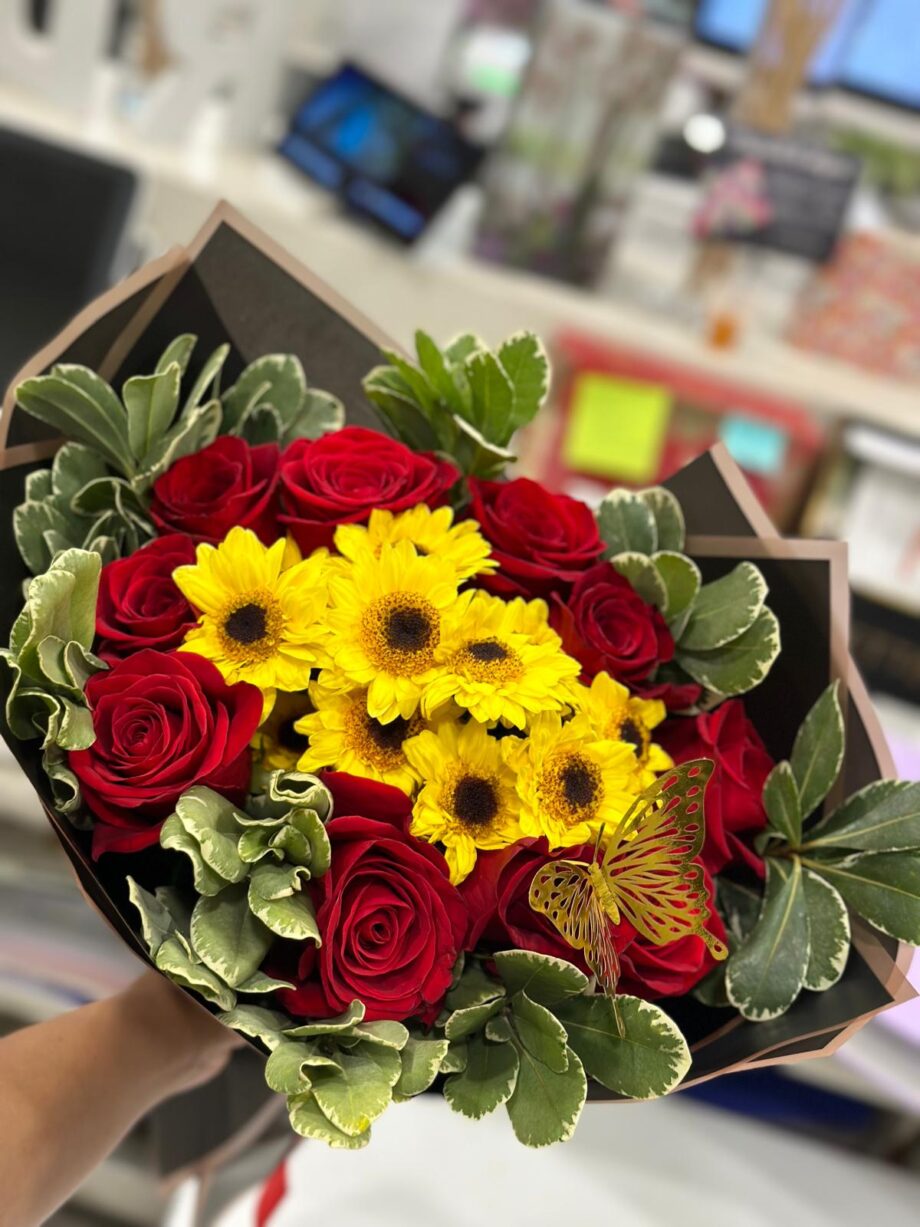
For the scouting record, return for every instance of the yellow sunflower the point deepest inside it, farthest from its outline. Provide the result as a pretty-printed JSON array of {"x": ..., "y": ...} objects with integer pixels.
[
  {"x": 616, "y": 714},
  {"x": 277, "y": 743},
  {"x": 431, "y": 532},
  {"x": 569, "y": 781},
  {"x": 468, "y": 799},
  {"x": 501, "y": 662},
  {"x": 342, "y": 735},
  {"x": 385, "y": 624},
  {"x": 259, "y": 621}
]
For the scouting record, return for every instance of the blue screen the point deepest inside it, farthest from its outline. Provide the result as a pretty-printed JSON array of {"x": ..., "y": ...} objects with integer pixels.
[{"x": 873, "y": 47}]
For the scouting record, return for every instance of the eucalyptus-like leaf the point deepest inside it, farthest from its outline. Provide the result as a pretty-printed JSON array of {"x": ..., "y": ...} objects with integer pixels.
[
  {"x": 540, "y": 1032},
  {"x": 829, "y": 928},
  {"x": 882, "y": 817},
  {"x": 420, "y": 1062},
  {"x": 284, "y": 909},
  {"x": 644, "y": 577},
  {"x": 173, "y": 959},
  {"x": 781, "y": 801},
  {"x": 739, "y": 666},
  {"x": 342, "y": 1024},
  {"x": 227, "y": 936},
  {"x": 767, "y": 973},
  {"x": 523, "y": 359},
  {"x": 649, "y": 1060},
  {"x": 82, "y": 407},
  {"x": 627, "y": 524},
  {"x": 386, "y": 389},
  {"x": 725, "y": 609},
  {"x": 179, "y": 350},
  {"x": 492, "y": 397},
  {"x": 681, "y": 579},
  {"x": 472, "y": 1019},
  {"x": 309, "y": 1121},
  {"x": 438, "y": 373},
  {"x": 151, "y": 402},
  {"x": 208, "y": 379},
  {"x": 546, "y": 1105},
  {"x": 487, "y": 1080},
  {"x": 884, "y": 887},
  {"x": 817, "y": 754},
  {"x": 669, "y": 517},
  {"x": 156, "y": 922},
  {"x": 544, "y": 978},
  {"x": 257, "y": 1022},
  {"x": 354, "y": 1096},
  {"x": 320, "y": 414}
]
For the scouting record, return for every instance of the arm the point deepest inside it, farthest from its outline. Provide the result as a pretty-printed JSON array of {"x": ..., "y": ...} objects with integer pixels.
[{"x": 71, "y": 1088}]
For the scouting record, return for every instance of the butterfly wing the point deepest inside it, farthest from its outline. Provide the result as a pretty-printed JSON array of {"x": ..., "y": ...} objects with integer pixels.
[
  {"x": 563, "y": 891},
  {"x": 650, "y": 862}
]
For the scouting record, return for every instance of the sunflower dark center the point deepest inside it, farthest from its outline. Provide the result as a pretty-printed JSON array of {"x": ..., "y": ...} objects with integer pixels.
[
  {"x": 629, "y": 732},
  {"x": 407, "y": 629},
  {"x": 388, "y": 737},
  {"x": 246, "y": 624},
  {"x": 487, "y": 650},
  {"x": 578, "y": 784},
  {"x": 475, "y": 801}
]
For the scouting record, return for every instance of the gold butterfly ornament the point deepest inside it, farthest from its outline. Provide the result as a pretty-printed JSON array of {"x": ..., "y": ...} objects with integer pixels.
[{"x": 645, "y": 872}]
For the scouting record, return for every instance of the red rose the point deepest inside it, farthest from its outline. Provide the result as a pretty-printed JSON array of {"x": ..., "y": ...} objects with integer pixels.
[
  {"x": 391, "y": 922},
  {"x": 670, "y": 971},
  {"x": 342, "y": 477},
  {"x": 733, "y": 794},
  {"x": 606, "y": 625},
  {"x": 163, "y": 722},
  {"x": 497, "y": 894},
  {"x": 543, "y": 541},
  {"x": 139, "y": 606},
  {"x": 210, "y": 492}
]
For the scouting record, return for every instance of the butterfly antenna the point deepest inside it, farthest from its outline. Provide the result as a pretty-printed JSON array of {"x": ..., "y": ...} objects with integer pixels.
[{"x": 597, "y": 842}]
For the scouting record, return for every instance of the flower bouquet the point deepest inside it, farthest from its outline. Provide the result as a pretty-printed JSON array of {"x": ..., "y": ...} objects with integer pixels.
[{"x": 416, "y": 775}]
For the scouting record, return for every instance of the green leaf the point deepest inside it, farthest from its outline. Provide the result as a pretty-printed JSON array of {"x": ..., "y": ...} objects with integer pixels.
[
  {"x": 766, "y": 974},
  {"x": 286, "y": 1068},
  {"x": 546, "y": 1105},
  {"x": 289, "y": 915},
  {"x": 523, "y": 360},
  {"x": 207, "y": 378},
  {"x": 829, "y": 929},
  {"x": 884, "y": 887},
  {"x": 669, "y": 518},
  {"x": 725, "y": 609},
  {"x": 74, "y": 467},
  {"x": 174, "y": 961},
  {"x": 487, "y": 1081},
  {"x": 492, "y": 405},
  {"x": 545, "y": 979},
  {"x": 82, "y": 407},
  {"x": 462, "y": 347},
  {"x": 386, "y": 388},
  {"x": 433, "y": 364},
  {"x": 353, "y": 1098},
  {"x": 151, "y": 402},
  {"x": 179, "y": 350},
  {"x": 257, "y": 1022},
  {"x": 626, "y": 524},
  {"x": 540, "y": 1032},
  {"x": 474, "y": 987},
  {"x": 818, "y": 750},
  {"x": 262, "y": 424},
  {"x": 32, "y": 522},
  {"x": 214, "y": 823},
  {"x": 643, "y": 576},
  {"x": 471, "y": 1019},
  {"x": 329, "y": 1026},
  {"x": 455, "y": 1059},
  {"x": 174, "y": 837},
  {"x": 739, "y": 906},
  {"x": 651, "y": 1059},
  {"x": 384, "y": 1032},
  {"x": 681, "y": 580},
  {"x": 261, "y": 983},
  {"x": 740, "y": 665},
  {"x": 477, "y": 455},
  {"x": 882, "y": 817},
  {"x": 227, "y": 937},
  {"x": 156, "y": 922},
  {"x": 421, "y": 1061},
  {"x": 308, "y": 1120},
  {"x": 320, "y": 414},
  {"x": 781, "y": 801}
]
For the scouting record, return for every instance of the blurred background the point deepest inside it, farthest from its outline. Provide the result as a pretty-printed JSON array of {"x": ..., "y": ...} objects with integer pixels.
[{"x": 709, "y": 209}]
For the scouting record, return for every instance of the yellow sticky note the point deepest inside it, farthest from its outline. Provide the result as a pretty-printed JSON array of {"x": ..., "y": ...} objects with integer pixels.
[{"x": 616, "y": 427}]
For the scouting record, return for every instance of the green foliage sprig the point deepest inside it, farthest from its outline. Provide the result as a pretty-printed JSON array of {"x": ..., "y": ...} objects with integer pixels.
[
  {"x": 97, "y": 492},
  {"x": 464, "y": 400},
  {"x": 726, "y": 638},
  {"x": 864, "y": 856}
]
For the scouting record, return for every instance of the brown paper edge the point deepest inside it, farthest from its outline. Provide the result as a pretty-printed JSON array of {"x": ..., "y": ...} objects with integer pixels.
[{"x": 26, "y": 453}]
